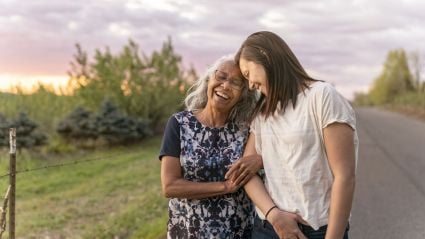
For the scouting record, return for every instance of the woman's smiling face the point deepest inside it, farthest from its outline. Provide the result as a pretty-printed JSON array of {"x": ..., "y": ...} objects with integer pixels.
[
  {"x": 225, "y": 87},
  {"x": 255, "y": 74}
]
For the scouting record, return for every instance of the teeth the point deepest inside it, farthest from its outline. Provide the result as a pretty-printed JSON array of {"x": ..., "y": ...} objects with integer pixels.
[{"x": 222, "y": 95}]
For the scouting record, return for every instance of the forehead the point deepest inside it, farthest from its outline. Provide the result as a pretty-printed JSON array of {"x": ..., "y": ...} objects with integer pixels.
[{"x": 243, "y": 63}]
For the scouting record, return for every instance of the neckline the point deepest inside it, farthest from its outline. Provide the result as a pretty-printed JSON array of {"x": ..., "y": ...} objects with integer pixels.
[{"x": 225, "y": 126}]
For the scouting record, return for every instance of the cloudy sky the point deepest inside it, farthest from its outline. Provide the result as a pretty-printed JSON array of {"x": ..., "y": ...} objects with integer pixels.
[{"x": 343, "y": 42}]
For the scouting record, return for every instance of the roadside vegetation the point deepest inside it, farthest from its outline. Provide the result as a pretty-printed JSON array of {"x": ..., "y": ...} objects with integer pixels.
[{"x": 399, "y": 86}]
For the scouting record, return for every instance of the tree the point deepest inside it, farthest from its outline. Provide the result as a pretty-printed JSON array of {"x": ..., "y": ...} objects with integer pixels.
[
  {"x": 27, "y": 135},
  {"x": 146, "y": 87},
  {"x": 394, "y": 79},
  {"x": 116, "y": 128},
  {"x": 109, "y": 126},
  {"x": 80, "y": 124}
]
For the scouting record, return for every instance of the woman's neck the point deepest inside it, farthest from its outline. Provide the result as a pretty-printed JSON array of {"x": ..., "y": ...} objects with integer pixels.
[{"x": 211, "y": 117}]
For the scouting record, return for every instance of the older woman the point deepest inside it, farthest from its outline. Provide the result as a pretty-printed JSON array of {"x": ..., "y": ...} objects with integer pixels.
[{"x": 198, "y": 147}]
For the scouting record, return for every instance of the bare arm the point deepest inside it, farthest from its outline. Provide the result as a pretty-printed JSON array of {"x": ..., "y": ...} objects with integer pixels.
[
  {"x": 255, "y": 187},
  {"x": 175, "y": 186},
  {"x": 339, "y": 144},
  {"x": 284, "y": 223}
]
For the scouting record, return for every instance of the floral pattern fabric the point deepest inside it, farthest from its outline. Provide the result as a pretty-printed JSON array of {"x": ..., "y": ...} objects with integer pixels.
[{"x": 205, "y": 154}]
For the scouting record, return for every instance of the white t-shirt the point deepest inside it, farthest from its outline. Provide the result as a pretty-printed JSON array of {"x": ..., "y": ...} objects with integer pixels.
[{"x": 297, "y": 174}]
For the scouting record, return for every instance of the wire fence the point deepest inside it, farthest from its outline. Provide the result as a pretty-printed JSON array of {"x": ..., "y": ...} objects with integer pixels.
[
  {"x": 9, "y": 199},
  {"x": 59, "y": 165}
]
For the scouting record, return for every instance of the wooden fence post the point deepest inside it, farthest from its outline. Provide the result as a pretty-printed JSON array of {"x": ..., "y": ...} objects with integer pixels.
[{"x": 12, "y": 179}]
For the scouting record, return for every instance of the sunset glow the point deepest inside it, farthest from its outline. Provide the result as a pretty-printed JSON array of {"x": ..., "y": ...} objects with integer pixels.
[{"x": 9, "y": 82}]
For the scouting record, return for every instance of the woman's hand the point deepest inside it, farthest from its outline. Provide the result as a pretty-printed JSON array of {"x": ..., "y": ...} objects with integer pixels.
[
  {"x": 285, "y": 224},
  {"x": 174, "y": 185},
  {"x": 230, "y": 187},
  {"x": 241, "y": 171}
]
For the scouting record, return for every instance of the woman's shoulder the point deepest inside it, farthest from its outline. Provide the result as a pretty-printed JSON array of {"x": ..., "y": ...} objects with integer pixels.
[
  {"x": 182, "y": 115},
  {"x": 322, "y": 89},
  {"x": 321, "y": 86}
]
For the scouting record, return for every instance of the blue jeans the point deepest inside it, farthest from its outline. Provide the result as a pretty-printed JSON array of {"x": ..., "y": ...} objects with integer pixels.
[{"x": 264, "y": 230}]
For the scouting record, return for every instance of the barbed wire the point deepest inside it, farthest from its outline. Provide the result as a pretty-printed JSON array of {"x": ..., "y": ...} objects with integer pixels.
[{"x": 74, "y": 162}]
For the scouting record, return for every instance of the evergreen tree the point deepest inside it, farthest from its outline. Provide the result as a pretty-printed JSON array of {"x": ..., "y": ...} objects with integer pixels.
[
  {"x": 80, "y": 124},
  {"x": 108, "y": 126},
  {"x": 27, "y": 135},
  {"x": 116, "y": 128}
]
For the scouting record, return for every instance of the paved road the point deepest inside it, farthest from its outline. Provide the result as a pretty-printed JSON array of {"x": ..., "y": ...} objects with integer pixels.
[{"x": 390, "y": 193}]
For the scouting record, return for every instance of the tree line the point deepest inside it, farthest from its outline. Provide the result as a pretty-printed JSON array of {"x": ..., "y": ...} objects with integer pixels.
[
  {"x": 117, "y": 98},
  {"x": 399, "y": 82}
]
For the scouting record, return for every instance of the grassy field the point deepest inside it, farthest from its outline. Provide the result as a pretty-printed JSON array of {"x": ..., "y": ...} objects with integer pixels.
[{"x": 116, "y": 197}]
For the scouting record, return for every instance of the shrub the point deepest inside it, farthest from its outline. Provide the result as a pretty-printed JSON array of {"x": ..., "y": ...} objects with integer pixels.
[
  {"x": 27, "y": 135},
  {"x": 109, "y": 126}
]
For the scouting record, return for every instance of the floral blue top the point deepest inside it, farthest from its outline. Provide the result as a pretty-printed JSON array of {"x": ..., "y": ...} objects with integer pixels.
[{"x": 204, "y": 154}]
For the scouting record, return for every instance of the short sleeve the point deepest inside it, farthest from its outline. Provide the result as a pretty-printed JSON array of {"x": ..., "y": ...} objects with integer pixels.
[
  {"x": 171, "y": 141},
  {"x": 255, "y": 129},
  {"x": 335, "y": 108}
]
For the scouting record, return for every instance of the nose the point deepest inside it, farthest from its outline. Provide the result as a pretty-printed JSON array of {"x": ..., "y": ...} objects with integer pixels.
[{"x": 226, "y": 84}]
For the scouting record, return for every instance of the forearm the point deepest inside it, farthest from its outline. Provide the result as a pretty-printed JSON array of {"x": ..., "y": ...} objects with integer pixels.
[
  {"x": 182, "y": 188},
  {"x": 340, "y": 207},
  {"x": 257, "y": 192}
]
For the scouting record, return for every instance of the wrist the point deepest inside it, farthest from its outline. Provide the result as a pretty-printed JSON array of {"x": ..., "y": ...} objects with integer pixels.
[
  {"x": 222, "y": 187},
  {"x": 227, "y": 188},
  {"x": 274, "y": 207},
  {"x": 273, "y": 216}
]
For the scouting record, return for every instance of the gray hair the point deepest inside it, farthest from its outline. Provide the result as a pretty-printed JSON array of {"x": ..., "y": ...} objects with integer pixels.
[{"x": 196, "y": 99}]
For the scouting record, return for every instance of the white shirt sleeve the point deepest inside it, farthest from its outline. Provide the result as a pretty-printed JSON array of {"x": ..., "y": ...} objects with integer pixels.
[
  {"x": 333, "y": 107},
  {"x": 255, "y": 129}
]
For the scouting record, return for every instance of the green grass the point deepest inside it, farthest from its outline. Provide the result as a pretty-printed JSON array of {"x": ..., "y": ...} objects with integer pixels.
[{"x": 118, "y": 197}]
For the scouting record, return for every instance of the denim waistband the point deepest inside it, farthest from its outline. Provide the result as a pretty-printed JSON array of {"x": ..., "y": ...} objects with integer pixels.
[{"x": 303, "y": 228}]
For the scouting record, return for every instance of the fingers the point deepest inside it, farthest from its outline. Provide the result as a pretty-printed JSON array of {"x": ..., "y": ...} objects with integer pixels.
[
  {"x": 241, "y": 177},
  {"x": 245, "y": 180},
  {"x": 233, "y": 168},
  {"x": 231, "y": 187},
  {"x": 300, "y": 235},
  {"x": 247, "y": 163},
  {"x": 239, "y": 174}
]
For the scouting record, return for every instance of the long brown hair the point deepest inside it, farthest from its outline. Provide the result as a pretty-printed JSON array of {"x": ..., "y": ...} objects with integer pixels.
[{"x": 285, "y": 75}]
